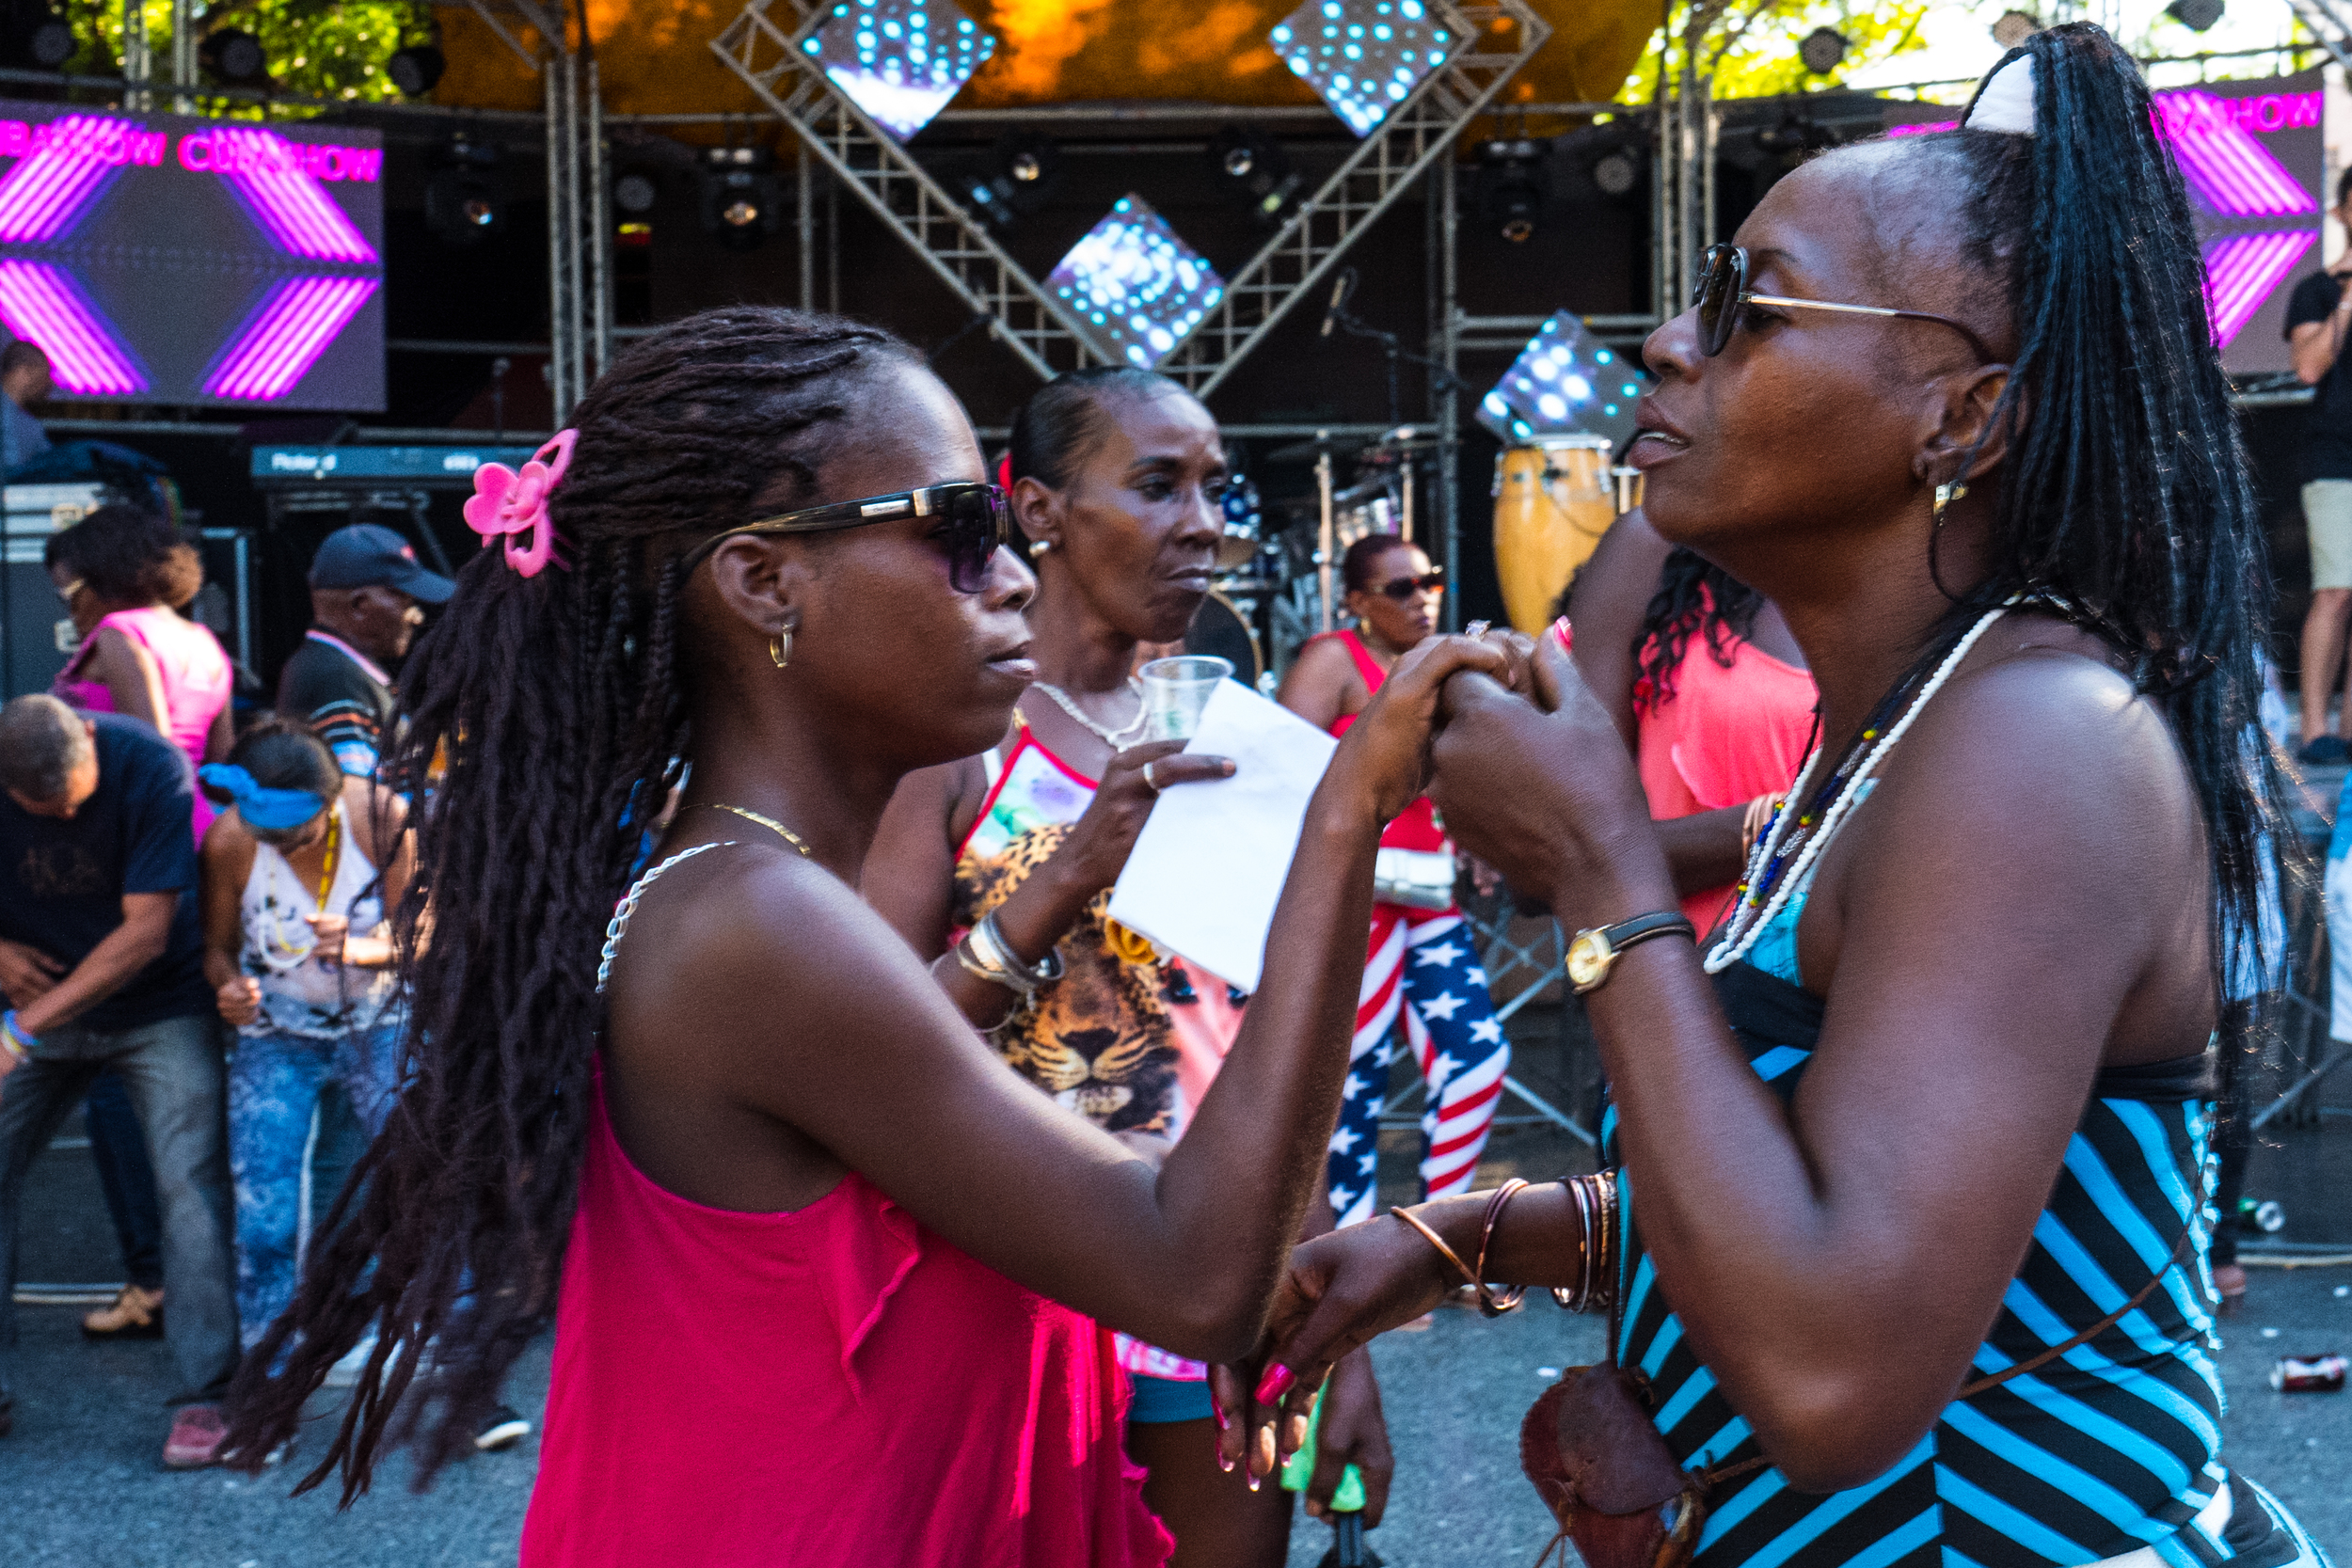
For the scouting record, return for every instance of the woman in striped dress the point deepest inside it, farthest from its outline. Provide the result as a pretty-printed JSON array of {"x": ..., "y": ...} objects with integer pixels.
[{"x": 1910, "y": 1257}]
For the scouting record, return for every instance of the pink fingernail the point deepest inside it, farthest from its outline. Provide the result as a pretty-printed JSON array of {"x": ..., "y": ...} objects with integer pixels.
[
  {"x": 1275, "y": 1383},
  {"x": 1222, "y": 1463},
  {"x": 1217, "y": 1411}
]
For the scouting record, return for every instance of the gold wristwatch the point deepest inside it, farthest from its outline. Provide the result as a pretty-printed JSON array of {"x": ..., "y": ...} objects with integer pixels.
[{"x": 1593, "y": 952}]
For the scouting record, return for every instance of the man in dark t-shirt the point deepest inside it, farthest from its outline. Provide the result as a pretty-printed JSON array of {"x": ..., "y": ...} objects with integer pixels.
[
  {"x": 2318, "y": 313},
  {"x": 366, "y": 593},
  {"x": 102, "y": 964}
]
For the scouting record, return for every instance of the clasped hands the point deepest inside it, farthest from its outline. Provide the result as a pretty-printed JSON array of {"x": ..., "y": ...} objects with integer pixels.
[{"x": 1532, "y": 779}]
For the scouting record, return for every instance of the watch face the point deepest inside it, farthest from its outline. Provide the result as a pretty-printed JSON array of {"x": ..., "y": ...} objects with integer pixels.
[{"x": 1588, "y": 958}]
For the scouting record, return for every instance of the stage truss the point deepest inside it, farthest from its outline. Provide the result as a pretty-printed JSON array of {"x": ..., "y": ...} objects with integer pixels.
[{"x": 761, "y": 46}]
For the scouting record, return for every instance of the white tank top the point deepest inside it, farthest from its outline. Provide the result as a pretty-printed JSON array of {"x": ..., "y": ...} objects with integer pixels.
[{"x": 299, "y": 995}]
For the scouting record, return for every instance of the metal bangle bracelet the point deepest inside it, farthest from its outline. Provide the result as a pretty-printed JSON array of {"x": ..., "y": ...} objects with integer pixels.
[{"x": 998, "y": 963}]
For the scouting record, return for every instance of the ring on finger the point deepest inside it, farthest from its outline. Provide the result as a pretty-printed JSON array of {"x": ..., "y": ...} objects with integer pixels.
[{"x": 1149, "y": 779}]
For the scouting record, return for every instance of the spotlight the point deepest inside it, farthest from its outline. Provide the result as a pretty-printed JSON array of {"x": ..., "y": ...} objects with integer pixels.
[
  {"x": 1823, "y": 51},
  {"x": 463, "y": 203},
  {"x": 1610, "y": 156},
  {"x": 635, "y": 192},
  {"x": 1026, "y": 168},
  {"x": 2015, "y": 27},
  {"x": 33, "y": 37},
  {"x": 1252, "y": 167},
  {"x": 1136, "y": 282},
  {"x": 416, "y": 69},
  {"x": 235, "y": 56},
  {"x": 741, "y": 202},
  {"x": 1512, "y": 183},
  {"x": 2195, "y": 15}
]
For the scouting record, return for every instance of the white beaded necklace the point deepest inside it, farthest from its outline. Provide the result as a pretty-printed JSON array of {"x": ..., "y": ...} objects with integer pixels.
[
  {"x": 1118, "y": 739},
  {"x": 1748, "y": 921}
]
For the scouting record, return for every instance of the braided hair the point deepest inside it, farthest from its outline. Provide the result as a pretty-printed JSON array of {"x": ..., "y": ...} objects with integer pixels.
[
  {"x": 544, "y": 715},
  {"x": 2124, "y": 494},
  {"x": 1695, "y": 597}
]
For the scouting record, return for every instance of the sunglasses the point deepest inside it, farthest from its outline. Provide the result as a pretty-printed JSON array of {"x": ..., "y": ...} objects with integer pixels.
[
  {"x": 1404, "y": 589},
  {"x": 975, "y": 524},
  {"x": 71, "y": 588},
  {"x": 1722, "y": 289}
]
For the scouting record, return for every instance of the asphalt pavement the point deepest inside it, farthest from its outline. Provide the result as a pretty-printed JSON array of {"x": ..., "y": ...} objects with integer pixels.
[{"x": 84, "y": 1489}]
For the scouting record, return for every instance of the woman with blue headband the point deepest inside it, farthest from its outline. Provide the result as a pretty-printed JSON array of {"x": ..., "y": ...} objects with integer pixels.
[{"x": 296, "y": 879}]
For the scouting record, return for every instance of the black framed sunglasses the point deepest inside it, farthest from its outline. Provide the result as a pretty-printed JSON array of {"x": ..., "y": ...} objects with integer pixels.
[
  {"x": 1404, "y": 589},
  {"x": 1722, "y": 289},
  {"x": 977, "y": 523}
]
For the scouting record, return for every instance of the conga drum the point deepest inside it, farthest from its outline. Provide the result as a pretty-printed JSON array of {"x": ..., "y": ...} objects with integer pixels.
[{"x": 1553, "y": 500}]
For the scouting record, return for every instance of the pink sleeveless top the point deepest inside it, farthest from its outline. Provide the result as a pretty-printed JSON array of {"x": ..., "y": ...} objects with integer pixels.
[
  {"x": 1722, "y": 738},
  {"x": 833, "y": 1385},
  {"x": 191, "y": 668}
]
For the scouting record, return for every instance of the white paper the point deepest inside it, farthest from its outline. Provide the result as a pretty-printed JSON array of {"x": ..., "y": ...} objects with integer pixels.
[{"x": 1209, "y": 865}]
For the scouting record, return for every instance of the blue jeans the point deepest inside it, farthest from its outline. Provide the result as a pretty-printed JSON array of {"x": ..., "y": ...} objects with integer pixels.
[
  {"x": 173, "y": 1071},
  {"x": 118, "y": 1147},
  {"x": 275, "y": 1082}
]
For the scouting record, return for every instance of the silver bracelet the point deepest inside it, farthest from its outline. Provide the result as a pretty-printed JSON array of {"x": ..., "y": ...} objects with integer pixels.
[{"x": 986, "y": 956}]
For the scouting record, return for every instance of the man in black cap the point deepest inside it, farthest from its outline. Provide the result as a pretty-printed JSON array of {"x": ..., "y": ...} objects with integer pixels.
[{"x": 366, "y": 590}]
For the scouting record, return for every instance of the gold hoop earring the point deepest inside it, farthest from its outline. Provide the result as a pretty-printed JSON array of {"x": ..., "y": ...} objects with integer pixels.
[
  {"x": 1945, "y": 495},
  {"x": 779, "y": 648}
]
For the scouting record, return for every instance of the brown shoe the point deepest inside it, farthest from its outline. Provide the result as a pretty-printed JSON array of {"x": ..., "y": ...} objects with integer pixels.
[
  {"x": 2229, "y": 1280},
  {"x": 136, "y": 1314}
]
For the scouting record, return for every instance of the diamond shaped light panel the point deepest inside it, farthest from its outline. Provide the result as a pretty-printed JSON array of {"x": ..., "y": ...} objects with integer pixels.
[
  {"x": 1565, "y": 380},
  {"x": 1138, "y": 286},
  {"x": 898, "y": 60},
  {"x": 1363, "y": 56}
]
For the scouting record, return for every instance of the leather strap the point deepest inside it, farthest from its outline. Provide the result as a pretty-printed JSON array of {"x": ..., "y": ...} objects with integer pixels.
[
  {"x": 2180, "y": 1248},
  {"x": 1665, "y": 923}
]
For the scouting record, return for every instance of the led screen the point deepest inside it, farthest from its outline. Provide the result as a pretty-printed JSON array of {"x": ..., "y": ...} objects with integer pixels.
[
  {"x": 1564, "y": 380},
  {"x": 163, "y": 259},
  {"x": 1363, "y": 56},
  {"x": 899, "y": 61},
  {"x": 1138, "y": 286}
]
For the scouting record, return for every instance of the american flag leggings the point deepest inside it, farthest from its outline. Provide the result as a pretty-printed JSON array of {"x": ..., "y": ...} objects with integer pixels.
[{"x": 1424, "y": 967}]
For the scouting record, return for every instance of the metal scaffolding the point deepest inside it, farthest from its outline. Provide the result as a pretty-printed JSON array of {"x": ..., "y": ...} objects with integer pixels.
[{"x": 1041, "y": 332}]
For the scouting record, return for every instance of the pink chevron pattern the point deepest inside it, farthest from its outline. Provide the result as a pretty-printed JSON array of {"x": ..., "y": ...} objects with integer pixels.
[
  {"x": 285, "y": 336},
  {"x": 2223, "y": 164},
  {"x": 55, "y": 184},
  {"x": 43, "y": 304},
  {"x": 266, "y": 174},
  {"x": 2241, "y": 270}
]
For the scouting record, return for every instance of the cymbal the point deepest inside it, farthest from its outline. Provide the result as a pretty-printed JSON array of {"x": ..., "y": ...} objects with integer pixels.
[
  {"x": 1313, "y": 447},
  {"x": 1235, "y": 550}
]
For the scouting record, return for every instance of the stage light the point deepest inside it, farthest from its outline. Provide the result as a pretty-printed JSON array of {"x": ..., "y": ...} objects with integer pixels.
[
  {"x": 2195, "y": 15},
  {"x": 33, "y": 37},
  {"x": 416, "y": 69},
  {"x": 1565, "y": 380},
  {"x": 463, "y": 202},
  {"x": 1610, "y": 155},
  {"x": 1252, "y": 167},
  {"x": 1823, "y": 51},
  {"x": 1512, "y": 182},
  {"x": 1028, "y": 167},
  {"x": 741, "y": 202},
  {"x": 1363, "y": 57},
  {"x": 2015, "y": 28},
  {"x": 1139, "y": 287},
  {"x": 635, "y": 190},
  {"x": 235, "y": 56},
  {"x": 898, "y": 60}
]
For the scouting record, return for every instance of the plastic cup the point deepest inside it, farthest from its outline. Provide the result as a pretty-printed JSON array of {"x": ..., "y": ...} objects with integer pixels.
[{"x": 1176, "y": 689}]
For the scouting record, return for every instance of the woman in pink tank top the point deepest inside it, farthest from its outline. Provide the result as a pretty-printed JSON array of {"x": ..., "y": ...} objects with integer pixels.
[
  {"x": 122, "y": 571},
  {"x": 1708, "y": 689},
  {"x": 832, "y": 1283}
]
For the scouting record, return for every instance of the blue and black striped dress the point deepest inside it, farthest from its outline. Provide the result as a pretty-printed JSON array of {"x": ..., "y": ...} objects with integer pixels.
[{"x": 2109, "y": 1448}]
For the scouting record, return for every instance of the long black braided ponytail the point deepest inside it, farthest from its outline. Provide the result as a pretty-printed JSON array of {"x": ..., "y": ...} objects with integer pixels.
[
  {"x": 542, "y": 715},
  {"x": 2125, "y": 492}
]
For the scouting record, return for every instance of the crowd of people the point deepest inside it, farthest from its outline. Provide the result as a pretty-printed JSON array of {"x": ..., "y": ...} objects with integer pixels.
[{"x": 710, "y": 939}]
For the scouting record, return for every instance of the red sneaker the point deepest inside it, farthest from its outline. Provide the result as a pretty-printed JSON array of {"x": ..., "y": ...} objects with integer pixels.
[{"x": 197, "y": 1434}]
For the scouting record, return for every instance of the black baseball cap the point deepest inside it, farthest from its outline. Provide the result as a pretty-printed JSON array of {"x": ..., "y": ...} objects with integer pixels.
[{"x": 367, "y": 556}]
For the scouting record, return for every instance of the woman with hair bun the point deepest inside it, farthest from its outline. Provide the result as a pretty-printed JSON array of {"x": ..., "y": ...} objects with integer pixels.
[
  {"x": 832, "y": 1283},
  {"x": 1114, "y": 476},
  {"x": 123, "y": 573},
  {"x": 1905, "y": 1240}
]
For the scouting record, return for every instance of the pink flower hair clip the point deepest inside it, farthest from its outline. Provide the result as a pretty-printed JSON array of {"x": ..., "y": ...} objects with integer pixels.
[{"x": 506, "y": 503}]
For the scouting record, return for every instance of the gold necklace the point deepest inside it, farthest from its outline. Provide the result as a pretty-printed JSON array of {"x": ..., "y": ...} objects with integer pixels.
[{"x": 768, "y": 822}]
